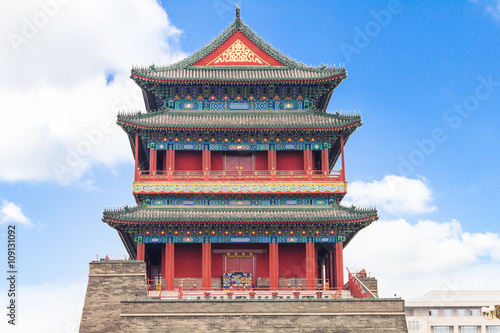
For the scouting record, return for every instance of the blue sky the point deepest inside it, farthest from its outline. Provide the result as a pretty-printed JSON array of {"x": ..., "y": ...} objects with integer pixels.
[{"x": 424, "y": 76}]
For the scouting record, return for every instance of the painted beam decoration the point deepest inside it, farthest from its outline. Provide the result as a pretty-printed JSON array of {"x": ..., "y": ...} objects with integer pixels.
[
  {"x": 234, "y": 239},
  {"x": 246, "y": 188},
  {"x": 244, "y": 145},
  {"x": 239, "y": 201},
  {"x": 244, "y": 105}
]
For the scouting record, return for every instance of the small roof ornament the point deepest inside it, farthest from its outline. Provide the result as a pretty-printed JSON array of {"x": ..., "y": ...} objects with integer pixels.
[{"x": 237, "y": 11}]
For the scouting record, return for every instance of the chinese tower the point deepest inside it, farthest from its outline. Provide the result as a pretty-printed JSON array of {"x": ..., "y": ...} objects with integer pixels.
[{"x": 237, "y": 197}]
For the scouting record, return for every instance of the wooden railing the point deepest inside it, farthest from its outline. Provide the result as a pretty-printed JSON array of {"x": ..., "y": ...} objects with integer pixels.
[
  {"x": 242, "y": 175},
  {"x": 189, "y": 289}
]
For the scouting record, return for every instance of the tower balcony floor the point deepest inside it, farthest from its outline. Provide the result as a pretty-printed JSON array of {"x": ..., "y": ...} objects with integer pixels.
[{"x": 240, "y": 187}]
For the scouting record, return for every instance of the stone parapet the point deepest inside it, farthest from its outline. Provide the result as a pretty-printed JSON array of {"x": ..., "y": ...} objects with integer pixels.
[
  {"x": 344, "y": 315},
  {"x": 111, "y": 282}
]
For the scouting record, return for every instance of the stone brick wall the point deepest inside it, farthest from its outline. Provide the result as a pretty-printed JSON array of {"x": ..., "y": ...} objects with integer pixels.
[
  {"x": 116, "y": 302},
  {"x": 111, "y": 282},
  {"x": 370, "y": 283},
  {"x": 345, "y": 315}
]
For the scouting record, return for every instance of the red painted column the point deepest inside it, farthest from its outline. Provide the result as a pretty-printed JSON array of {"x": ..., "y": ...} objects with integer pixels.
[
  {"x": 342, "y": 173},
  {"x": 327, "y": 270},
  {"x": 311, "y": 265},
  {"x": 167, "y": 161},
  {"x": 141, "y": 251},
  {"x": 339, "y": 265},
  {"x": 330, "y": 259},
  {"x": 273, "y": 266},
  {"x": 163, "y": 268},
  {"x": 324, "y": 161},
  {"x": 136, "y": 156},
  {"x": 206, "y": 266},
  {"x": 205, "y": 163},
  {"x": 172, "y": 161},
  {"x": 153, "y": 153},
  {"x": 271, "y": 160},
  {"x": 169, "y": 266},
  {"x": 308, "y": 161}
]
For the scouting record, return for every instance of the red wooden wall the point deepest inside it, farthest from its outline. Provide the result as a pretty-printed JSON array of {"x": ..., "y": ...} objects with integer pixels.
[
  {"x": 292, "y": 260},
  {"x": 290, "y": 160},
  {"x": 187, "y": 262},
  {"x": 217, "y": 159},
  {"x": 188, "y": 160},
  {"x": 261, "y": 160}
]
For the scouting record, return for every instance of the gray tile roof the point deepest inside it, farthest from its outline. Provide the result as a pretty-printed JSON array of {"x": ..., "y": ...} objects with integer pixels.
[
  {"x": 249, "y": 120},
  {"x": 242, "y": 75},
  {"x": 237, "y": 214}
]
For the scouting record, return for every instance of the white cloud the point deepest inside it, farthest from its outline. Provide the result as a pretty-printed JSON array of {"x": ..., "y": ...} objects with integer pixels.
[
  {"x": 48, "y": 308},
  {"x": 494, "y": 10},
  {"x": 59, "y": 109},
  {"x": 395, "y": 195},
  {"x": 10, "y": 212},
  {"x": 492, "y": 7},
  {"x": 410, "y": 260}
]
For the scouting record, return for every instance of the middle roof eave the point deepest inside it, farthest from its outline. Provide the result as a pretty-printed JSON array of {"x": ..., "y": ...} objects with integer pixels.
[
  {"x": 238, "y": 214},
  {"x": 272, "y": 120}
]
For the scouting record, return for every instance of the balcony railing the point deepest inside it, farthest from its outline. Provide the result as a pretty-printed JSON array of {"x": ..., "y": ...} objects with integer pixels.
[
  {"x": 242, "y": 175},
  {"x": 189, "y": 289}
]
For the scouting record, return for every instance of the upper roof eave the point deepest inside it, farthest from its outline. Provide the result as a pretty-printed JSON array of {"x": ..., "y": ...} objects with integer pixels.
[{"x": 151, "y": 72}]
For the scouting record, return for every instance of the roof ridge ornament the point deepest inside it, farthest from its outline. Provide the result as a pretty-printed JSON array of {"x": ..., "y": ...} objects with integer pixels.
[
  {"x": 237, "y": 11},
  {"x": 237, "y": 19}
]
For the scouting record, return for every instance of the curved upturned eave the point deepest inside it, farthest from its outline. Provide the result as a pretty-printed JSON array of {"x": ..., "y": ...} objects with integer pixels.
[
  {"x": 122, "y": 218},
  {"x": 248, "y": 129},
  {"x": 216, "y": 121},
  {"x": 226, "y": 214},
  {"x": 213, "y": 80}
]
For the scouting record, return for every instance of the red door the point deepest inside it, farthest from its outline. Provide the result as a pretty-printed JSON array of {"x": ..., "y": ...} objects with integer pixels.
[
  {"x": 239, "y": 264},
  {"x": 239, "y": 161},
  {"x": 232, "y": 264}
]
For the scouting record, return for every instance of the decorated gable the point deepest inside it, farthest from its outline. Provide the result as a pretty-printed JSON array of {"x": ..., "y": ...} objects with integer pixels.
[{"x": 238, "y": 50}]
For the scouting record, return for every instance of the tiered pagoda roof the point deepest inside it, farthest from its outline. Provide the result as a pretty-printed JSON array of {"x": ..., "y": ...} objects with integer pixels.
[{"x": 237, "y": 83}]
